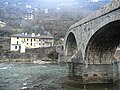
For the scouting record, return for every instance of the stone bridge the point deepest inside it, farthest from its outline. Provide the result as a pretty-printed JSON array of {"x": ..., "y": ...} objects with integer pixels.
[{"x": 96, "y": 38}]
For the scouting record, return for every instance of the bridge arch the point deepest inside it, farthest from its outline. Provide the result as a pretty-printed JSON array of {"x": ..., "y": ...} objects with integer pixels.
[
  {"x": 97, "y": 37},
  {"x": 71, "y": 44},
  {"x": 103, "y": 43}
]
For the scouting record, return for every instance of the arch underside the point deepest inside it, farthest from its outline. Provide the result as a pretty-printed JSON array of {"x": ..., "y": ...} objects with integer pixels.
[
  {"x": 71, "y": 44},
  {"x": 102, "y": 45}
]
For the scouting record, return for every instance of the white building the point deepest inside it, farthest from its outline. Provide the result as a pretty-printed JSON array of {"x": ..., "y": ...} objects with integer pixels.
[
  {"x": 29, "y": 13},
  {"x": 2, "y": 24},
  {"x": 28, "y": 16},
  {"x": 20, "y": 42}
]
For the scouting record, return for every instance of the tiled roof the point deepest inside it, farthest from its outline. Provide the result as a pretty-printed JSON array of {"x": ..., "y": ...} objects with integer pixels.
[{"x": 31, "y": 36}]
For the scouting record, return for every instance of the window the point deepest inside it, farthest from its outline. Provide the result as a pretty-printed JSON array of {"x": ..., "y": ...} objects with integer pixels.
[
  {"x": 31, "y": 40},
  {"x": 15, "y": 47},
  {"x": 62, "y": 48},
  {"x": 17, "y": 37},
  {"x": 27, "y": 43},
  {"x": 86, "y": 75},
  {"x": 105, "y": 74},
  {"x": 50, "y": 44},
  {"x": 1, "y": 46},
  {"x": 34, "y": 39},
  {"x": 94, "y": 74},
  {"x": 17, "y": 42},
  {"x": 31, "y": 44},
  {"x": 27, "y": 39}
]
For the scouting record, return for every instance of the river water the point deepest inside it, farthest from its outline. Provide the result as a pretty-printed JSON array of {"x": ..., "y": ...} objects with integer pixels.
[{"x": 17, "y": 76}]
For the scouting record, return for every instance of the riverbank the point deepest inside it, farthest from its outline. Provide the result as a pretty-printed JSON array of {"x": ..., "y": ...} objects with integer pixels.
[
  {"x": 28, "y": 61},
  {"x": 30, "y": 55},
  {"x": 43, "y": 62},
  {"x": 15, "y": 60}
]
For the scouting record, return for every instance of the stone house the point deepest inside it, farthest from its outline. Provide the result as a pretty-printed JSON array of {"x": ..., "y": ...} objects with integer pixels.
[
  {"x": 20, "y": 42},
  {"x": 4, "y": 45}
]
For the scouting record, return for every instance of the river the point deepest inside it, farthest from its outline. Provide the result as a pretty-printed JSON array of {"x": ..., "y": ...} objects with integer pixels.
[{"x": 18, "y": 76}]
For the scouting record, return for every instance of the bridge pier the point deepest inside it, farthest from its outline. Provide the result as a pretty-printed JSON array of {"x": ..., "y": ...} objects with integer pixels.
[
  {"x": 92, "y": 73},
  {"x": 118, "y": 70}
]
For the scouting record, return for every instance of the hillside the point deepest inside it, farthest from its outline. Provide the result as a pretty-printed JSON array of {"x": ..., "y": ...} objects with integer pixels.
[{"x": 44, "y": 16}]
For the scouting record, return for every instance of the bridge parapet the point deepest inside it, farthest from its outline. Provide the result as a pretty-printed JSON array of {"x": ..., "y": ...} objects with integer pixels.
[{"x": 104, "y": 10}]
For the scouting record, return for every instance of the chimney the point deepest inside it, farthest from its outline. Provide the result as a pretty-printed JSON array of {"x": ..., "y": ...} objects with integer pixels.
[
  {"x": 26, "y": 33},
  {"x": 33, "y": 34},
  {"x": 38, "y": 34}
]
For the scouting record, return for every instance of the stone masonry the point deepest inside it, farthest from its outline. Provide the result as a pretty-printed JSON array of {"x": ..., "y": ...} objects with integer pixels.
[{"x": 96, "y": 37}]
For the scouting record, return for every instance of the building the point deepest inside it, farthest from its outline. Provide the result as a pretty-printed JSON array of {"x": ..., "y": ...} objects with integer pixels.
[
  {"x": 20, "y": 42},
  {"x": 29, "y": 13},
  {"x": 4, "y": 44},
  {"x": 2, "y": 24},
  {"x": 28, "y": 16}
]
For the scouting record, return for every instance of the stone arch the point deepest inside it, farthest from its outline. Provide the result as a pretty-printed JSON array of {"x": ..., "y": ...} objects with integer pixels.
[
  {"x": 71, "y": 44},
  {"x": 103, "y": 43}
]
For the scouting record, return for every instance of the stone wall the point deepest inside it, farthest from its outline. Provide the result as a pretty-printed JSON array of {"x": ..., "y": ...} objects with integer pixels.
[
  {"x": 96, "y": 37},
  {"x": 117, "y": 55},
  {"x": 15, "y": 57},
  {"x": 29, "y": 56},
  {"x": 96, "y": 31},
  {"x": 85, "y": 74},
  {"x": 40, "y": 53},
  {"x": 119, "y": 70},
  {"x": 61, "y": 56}
]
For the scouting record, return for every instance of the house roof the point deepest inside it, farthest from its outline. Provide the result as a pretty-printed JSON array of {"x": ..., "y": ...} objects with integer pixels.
[{"x": 32, "y": 36}]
